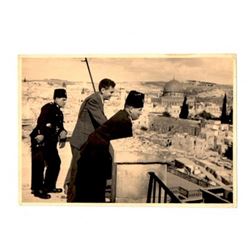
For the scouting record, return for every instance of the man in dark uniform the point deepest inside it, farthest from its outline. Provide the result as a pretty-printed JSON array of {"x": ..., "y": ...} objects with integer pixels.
[
  {"x": 95, "y": 163},
  {"x": 44, "y": 138}
]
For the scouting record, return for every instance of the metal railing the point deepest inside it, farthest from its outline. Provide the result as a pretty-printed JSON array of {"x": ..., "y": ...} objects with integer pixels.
[
  {"x": 158, "y": 192},
  {"x": 188, "y": 177},
  {"x": 217, "y": 195}
]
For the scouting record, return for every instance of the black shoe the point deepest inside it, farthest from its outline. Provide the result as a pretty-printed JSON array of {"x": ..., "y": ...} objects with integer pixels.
[
  {"x": 55, "y": 190},
  {"x": 41, "y": 194},
  {"x": 36, "y": 190}
]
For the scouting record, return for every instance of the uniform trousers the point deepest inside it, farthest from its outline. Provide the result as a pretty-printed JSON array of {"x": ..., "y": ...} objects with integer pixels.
[{"x": 45, "y": 157}]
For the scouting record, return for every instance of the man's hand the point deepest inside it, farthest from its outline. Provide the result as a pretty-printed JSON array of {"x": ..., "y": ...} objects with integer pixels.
[
  {"x": 39, "y": 138},
  {"x": 61, "y": 144},
  {"x": 63, "y": 134}
]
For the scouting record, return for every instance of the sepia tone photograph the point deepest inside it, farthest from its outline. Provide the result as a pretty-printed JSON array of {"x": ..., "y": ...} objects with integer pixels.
[{"x": 128, "y": 130}]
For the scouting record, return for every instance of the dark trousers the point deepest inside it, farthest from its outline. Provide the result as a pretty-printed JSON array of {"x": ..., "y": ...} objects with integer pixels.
[
  {"x": 76, "y": 154},
  {"x": 44, "y": 156},
  {"x": 37, "y": 168},
  {"x": 93, "y": 169},
  {"x": 71, "y": 175},
  {"x": 91, "y": 189},
  {"x": 53, "y": 163}
]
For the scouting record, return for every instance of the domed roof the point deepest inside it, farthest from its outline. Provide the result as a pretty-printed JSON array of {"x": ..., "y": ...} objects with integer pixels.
[{"x": 173, "y": 86}]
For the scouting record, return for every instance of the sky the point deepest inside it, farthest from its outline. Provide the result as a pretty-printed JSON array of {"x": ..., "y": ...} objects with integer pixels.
[{"x": 217, "y": 68}]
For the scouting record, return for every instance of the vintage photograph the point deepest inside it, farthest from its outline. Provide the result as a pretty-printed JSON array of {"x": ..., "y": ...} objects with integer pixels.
[{"x": 137, "y": 129}]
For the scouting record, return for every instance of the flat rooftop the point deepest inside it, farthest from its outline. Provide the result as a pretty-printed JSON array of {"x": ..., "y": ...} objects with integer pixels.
[{"x": 176, "y": 181}]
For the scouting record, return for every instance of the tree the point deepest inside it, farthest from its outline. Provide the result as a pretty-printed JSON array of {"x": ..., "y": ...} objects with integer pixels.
[
  {"x": 204, "y": 115},
  {"x": 229, "y": 152},
  {"x": 224, "y": 117},
  {"x": 184, "y": 109},
  {"x": 230, "y": 117}
]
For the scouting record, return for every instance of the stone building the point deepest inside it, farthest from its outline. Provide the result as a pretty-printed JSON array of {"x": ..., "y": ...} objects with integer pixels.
[
  {"x": 169, "y": 124},
  {"x": 173, "y": 97}
]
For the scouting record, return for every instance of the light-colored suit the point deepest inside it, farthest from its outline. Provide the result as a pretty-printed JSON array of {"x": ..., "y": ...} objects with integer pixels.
[{"x": 90, "y": 117}]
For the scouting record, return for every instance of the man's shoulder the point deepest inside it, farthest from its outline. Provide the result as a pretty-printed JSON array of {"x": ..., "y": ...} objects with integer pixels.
[
  {"x": 94, "y": 98},
  {"x": 120, "y": 116},
  {"x": 49, "y": 105},
  {"x": 121, "y": 113}
]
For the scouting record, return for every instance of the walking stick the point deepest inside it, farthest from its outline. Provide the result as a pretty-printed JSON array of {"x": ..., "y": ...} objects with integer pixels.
[{"x": 86, "y": 61}]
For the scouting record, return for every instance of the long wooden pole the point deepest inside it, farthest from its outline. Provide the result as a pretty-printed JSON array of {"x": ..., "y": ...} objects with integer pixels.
[{"x": 86, "y": 61}]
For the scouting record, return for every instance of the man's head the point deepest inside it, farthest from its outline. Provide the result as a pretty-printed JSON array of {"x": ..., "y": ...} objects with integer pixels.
[
  {"x": 60, "y": 97},
  {"x": 134, "y": 104},
  {"x": 106, "y": 88}
]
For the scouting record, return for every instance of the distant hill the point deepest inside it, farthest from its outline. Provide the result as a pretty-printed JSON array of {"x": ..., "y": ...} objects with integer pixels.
[
  {"x": 189, "y": 87},
  {"x": 53, "y": 81},
  {"x": 192, "y": 87}
]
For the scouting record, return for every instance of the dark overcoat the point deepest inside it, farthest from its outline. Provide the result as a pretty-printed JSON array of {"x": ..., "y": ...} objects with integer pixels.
[{"x": 95, "y": 164}]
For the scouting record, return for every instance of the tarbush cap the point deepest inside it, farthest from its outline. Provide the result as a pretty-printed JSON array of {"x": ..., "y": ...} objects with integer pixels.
[
  {"x": 60, "y": 93},
  {"x": 135, "y": 99}
]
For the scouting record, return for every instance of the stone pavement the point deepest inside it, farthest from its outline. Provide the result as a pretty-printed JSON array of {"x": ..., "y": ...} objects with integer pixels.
[{"x": 25, "y": 195}]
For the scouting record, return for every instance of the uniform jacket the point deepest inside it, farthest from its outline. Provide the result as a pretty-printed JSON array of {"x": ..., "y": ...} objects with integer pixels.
[
  {"x": 95, "y": 163},
  {"x": 49, "y": 123},
  {"x": 90, "y": 117}
]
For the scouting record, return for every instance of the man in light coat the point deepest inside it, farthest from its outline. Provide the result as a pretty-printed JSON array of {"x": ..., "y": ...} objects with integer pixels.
[{"x": 90, "y": 117}]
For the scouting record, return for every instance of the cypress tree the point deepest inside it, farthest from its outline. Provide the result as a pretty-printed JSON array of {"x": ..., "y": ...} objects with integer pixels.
[
  {"x": 184, "y": 109},
  {"x": 223, "y": 117},
  {"x": 229, "y": 152}
]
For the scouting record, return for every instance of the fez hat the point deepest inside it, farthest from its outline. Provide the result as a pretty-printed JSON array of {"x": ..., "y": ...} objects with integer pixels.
[
  {"x": 135, "y": 99},
  {"x": 60, "y": 93}
]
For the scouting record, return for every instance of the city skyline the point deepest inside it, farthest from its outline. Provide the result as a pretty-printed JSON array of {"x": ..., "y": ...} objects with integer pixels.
[{"x": 217, "y": 69}]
